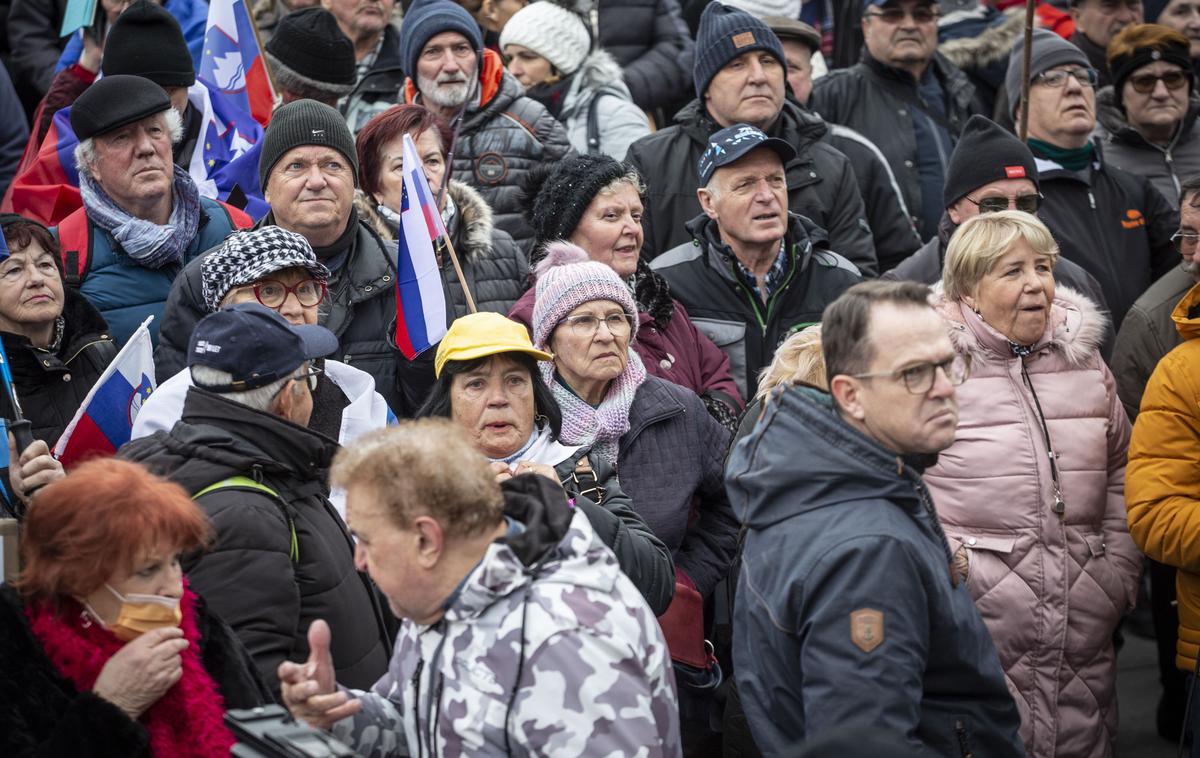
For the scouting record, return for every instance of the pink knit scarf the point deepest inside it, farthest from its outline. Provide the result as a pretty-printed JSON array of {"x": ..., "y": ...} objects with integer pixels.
[{"x": 600, "y": 427}]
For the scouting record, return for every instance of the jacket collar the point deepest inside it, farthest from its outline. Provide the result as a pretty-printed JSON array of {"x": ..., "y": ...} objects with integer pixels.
[
  {"x": 652, "y": 403},
  {"x": 797, "y": 125},
  {"x": 800, "y": 239},
  {"x": 83, "y": 325}
]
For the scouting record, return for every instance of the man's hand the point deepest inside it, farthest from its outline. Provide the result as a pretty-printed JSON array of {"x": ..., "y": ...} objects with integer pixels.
[
  {"x": 34, "y": 468},
  {"x": 310, "y": 691}
]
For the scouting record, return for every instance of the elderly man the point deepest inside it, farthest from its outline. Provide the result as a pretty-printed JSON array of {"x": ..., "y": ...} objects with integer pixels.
[
  {"x": 501, "y": 133},
  {"x": 282, "y": 556},
  {"x": 377, "y": 50},
  {"x": 310, "y": 58},
  {"x": 1096, "y": 23},
  {"x": 143, "y": 218},
  {"x": 753, "y": 272},
  {"x": 512, "y": 607},
  {"x": 849, "y": 612},
  {"x": 739, "y": 78},
  {"x": 906, "y": 98},
  {"x": 309, "y": 170},
  {"x": 1111, "y": 222}
]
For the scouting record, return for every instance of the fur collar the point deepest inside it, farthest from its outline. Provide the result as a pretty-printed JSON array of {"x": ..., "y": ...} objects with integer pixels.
[
  {"x": 599, "y": 69},
  {"x": 993, "y": 44},
  {"x": 472, "y": 225}
]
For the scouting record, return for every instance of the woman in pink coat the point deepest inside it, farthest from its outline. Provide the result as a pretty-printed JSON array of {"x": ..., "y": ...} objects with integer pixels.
[{"x": 1031, "y": 494}]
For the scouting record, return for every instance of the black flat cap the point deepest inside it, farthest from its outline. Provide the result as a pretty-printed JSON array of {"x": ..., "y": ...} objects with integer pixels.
[{"x": 115, "y": 101}]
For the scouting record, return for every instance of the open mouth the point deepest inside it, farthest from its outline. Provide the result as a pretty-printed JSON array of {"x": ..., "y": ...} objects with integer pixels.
[{"x": 765, "y": 217}]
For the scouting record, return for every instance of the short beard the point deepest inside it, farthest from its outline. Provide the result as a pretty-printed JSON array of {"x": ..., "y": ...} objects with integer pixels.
[
  {"x": 452, "y": 95},
  {"x": 1192, "y": 269}
]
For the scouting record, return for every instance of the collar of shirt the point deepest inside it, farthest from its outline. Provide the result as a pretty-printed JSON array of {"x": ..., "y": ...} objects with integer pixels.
[
  {"x": 773, "y": 278},
  {"x": 368, "y": 60}
]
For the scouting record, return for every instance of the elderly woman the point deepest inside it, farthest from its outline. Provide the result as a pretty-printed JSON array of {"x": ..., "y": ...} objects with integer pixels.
[
  {"x": 596, "y": 203},
  {"x": 489, "y": 383},
  {"x": 1149, "y": 113},
  {"x": 1031, "y": 494},
  {"x": 1181, "y": 15},
  {"x": 495, "y": 268},
  {"x": 104, "y": 650}
]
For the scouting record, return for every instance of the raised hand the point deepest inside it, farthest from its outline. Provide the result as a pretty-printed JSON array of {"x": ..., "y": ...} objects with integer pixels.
[
  {"x": 142, "y": 671},
  {"x": 310, "y": 690}
]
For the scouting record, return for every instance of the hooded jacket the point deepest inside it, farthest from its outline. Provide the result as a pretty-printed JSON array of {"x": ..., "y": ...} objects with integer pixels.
[
  {"x": 1125, "y": 147},
  {"x": 502, "y": 136},
  {"x": 1162, "y": 483},
  {"x": 821, "y": 183},
  {"x": 651, "y": 42},
  {"x": 546, "y": 648},
  {"x": 1051, "y": 587},
  {"x": 1148, "y": 334},
  {"x": 846, "y": 611},
  {"x": 702, "y": 277},
  {"x": 597, "y": 87},
  {"x": 251, "y": 577}
]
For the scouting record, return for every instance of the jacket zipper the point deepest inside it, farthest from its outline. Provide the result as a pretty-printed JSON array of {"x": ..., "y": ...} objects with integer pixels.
[
  {"x": 960, "y": 730},
  {"x": 1059, "y": 507},
  {"x": 758, "y": 315}
]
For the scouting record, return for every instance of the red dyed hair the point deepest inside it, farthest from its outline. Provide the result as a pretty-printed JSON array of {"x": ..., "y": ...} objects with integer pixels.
[
  {"x": 98, "y": 523},
  {"x": 387, "y": 126}
]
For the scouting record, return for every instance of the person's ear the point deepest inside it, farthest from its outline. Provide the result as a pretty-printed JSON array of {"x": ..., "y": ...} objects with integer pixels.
[
  {"x": 955, "y": 217},
  {"x": 707, "y": 203},
  {"x": 970, "y": 302},
  {"x": 285, "y": 401},
  {"x": 847, "y": 393},
  {"x": 431, "y": 541}
]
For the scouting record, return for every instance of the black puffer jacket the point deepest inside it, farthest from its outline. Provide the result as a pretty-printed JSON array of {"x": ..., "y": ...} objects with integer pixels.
[
  {"x": 35, "y": 42},
  {"x": 821, "y": 183},
  {"x": 360, "y": 310},
  {"x": 52, "y": 386},
  {"x": 652, "y": 43},
  {"x": 268, "y": 596}
]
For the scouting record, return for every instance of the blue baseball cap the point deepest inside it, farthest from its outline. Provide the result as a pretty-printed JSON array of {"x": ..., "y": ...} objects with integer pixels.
[
  {"x": 255, "y": 345},
  {"x": 732, "y": 143}
]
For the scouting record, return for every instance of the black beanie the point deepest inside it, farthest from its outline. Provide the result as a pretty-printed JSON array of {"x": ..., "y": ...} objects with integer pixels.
[
  {"x": 309, "y": 43},
  {"x": 300, "y": 123},
  {"x": 115, "y": 101},
  {"x": 559, "y": 203},
  {"x": 146, "y": 41},
  {"x": 1125, "y": 66},
  {"x": 724, "y": 34},
  {"x": 986, "y": 153}
]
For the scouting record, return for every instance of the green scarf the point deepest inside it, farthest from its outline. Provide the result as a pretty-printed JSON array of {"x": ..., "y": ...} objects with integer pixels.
[{"x": 1072, "y": 159}]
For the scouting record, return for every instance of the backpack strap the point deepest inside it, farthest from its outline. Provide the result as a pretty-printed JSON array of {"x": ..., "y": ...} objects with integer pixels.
[
  {"x": 76, "y": 245},
  {"x": 246, "y": 483},
  {"x": 593, "y": 118}
]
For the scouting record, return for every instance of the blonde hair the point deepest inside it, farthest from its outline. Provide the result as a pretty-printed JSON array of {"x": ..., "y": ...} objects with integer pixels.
[
  {"x": 797, "y": 359},
  {"x": 426, "y": 467},
  {"x": 983, "y": 240}
]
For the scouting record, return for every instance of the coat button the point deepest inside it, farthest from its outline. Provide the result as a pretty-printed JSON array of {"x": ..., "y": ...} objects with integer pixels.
[
  {"x": 66, "y": 377},
  {"x": 812, "y": 174},
  {"x": 902, "y": 112},
  {"x": 368, "y": 288},
  {"x": 971, "y": 540},
  {"x": 908, "y": 164},
  {"x": 387, "y": 278}
]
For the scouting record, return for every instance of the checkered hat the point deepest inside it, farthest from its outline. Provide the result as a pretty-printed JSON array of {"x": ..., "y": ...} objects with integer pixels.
[{"x": 245, "y": 257}]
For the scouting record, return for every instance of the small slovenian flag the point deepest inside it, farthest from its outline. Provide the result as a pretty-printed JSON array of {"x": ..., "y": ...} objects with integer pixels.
[
  {"x": 104, "y": 422},
  {"x": 420, "y": 300},
  {"x": 231, "y": 62}
]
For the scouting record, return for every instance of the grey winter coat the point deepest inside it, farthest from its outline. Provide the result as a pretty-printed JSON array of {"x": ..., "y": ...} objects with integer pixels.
[
  {"x": 652, "y": 44},
  {"x": 1124, "y": 147},
  {"x": 1147, "y": 334},
  {"x": 597, "y": 87}
]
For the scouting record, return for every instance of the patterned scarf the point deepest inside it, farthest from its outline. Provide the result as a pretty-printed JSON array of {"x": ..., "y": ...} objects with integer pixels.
[
  {"x": 600, "y": 427},
  {"x": 150, "y": 244}
]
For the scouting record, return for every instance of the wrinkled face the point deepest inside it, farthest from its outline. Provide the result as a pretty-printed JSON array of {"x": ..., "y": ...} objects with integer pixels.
[
  {"x": 358, "y": 18},
  {"x": 311, "y": 190},
  {"x": 1161, "y": 107},
  {"x": 749, "y": 89},
  {"x": 1010, "y": 189},
  {"x": 799, "y": 68},
  {"x": 1189, "y": 223},
  {"x": 494, "y": 403},
  {"x": 133, "y": 163},
  {"x": 156, "y": 572},
  {"x": 611, "y": 229},
  {"x": 291, "y": 309},
  {"x": 1014, "y": 296},
  {"x": 582, "y": 359},
  {"x": 391, "y": 166},
  {"x": 446, "y": 68},
  {"x": 1063, "y": 116},
  {"x": 750, "y": 204},
  {"x": 901, "y": 42},
  {"x": 31, "y": 291},
  {"x": 389, "y": 555},
  {"x": 1100, "y": 20},
  {"x": 530, "y": 68},
  {"x": 1184, "y": 17}
]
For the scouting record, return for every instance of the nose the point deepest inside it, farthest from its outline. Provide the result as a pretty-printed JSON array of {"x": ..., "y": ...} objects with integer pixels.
[
  {"x": 757, "y": 72},
  {"x": 604, "y": 333},
  {"x": 496, "y": 397},
  {"x": 173, "y": 583},
  {"x": 292, "y": 310},
  {"x": 1160, "y": 90},
  {"x": 143, "y": 143},
  {"x": 942, "y": 386},
  {"x": 1129, "y": 14},
  {"x": 450, "y": 64},
  {"x": 314, "y": 179}
]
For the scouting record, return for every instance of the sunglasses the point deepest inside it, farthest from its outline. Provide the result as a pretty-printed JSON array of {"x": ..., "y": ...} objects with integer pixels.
[
  {"x": 1026, "y": 203},
  {"x": 921, "y": 15},
  {"x": 1145, "y": 83}
]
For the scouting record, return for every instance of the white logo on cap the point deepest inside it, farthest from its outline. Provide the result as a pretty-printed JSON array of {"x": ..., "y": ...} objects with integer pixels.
[
  {"x": 318, "y": 133},
  {"x": 204, "y": 346}
]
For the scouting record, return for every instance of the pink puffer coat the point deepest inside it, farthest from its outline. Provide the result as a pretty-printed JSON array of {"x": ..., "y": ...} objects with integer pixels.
[{"x": 1050, "y": 587}]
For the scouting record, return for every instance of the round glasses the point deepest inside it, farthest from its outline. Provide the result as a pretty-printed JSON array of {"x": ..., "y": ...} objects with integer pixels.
[
  {"x": 1026, "y": 203},
  {"x": 619, "y": 324},
  {"x": 1145, "y": 83},
  {"x": 919, "y": 379},
  {"x": 273, "y": 294}
]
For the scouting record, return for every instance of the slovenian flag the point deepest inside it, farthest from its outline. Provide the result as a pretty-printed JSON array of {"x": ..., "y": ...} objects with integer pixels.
[
  {"x": 420, "y": 300},
  {"x": 232, "y": 64},
  {"x": 104, "y": 422}
]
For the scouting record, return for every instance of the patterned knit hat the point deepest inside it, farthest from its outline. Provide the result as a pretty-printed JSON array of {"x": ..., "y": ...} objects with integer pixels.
[
  {"x": 551, "y": 31},
  {"x": 724, "y": 34},
  {"x": 566, "y": 279},
  {"x": 561, "y": 193},
  {"x": 245, "y": 257}
]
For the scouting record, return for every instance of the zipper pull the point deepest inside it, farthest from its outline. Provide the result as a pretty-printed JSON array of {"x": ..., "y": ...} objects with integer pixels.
[
  {"x": 1059, "y": 506},
  {"x": 1091, "y": 200}
]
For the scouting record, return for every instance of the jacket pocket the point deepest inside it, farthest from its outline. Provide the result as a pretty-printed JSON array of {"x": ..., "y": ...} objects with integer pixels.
[
  {"x": 730, "y": 337},
  {"x": 987, "y": 559},
  {"x": 1099, "y": 566}
]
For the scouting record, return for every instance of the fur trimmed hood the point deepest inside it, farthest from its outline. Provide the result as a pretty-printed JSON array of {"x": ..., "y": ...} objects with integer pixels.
[
  {"x": 471, "y": 227},
  {"x": 994, "y": 44},
  {"x": 600, "y": 69}
]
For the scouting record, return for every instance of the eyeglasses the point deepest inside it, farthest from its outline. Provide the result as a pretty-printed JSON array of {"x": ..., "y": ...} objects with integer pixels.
[
  {"x": 920, "y": 15},
  {"x": 1086, "y": 77},
  {"x": 619, "y": 324},
  {"x": 1027, "y": 203},
  {"x": 919, "y": 379},
  {"x": 1145, "y": 83},
  {"x": 273, "y": 294},
  {"x": 1184, "y": 240},
  {"x": 311, "y": 377}
]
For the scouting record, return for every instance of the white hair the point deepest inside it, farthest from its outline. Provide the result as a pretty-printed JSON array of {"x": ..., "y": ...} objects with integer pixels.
[
  {"x": 259, "y": 398},
  {"x": 85, "y": 152}
]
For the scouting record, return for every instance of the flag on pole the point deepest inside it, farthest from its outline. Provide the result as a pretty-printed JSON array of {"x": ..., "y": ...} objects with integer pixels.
[
  {"x": 104, "y": 422},
  {"x": 232, "y": 64},
  {"x": 420, "y": 300}
]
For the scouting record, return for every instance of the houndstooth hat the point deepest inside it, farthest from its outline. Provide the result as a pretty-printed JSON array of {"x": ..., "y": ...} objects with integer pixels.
[{"x": 245, "y": 257}]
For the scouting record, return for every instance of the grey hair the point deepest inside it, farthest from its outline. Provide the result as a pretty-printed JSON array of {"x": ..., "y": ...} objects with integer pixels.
[
  {"x": 630, "y": 177},
  {"x": 714, "y": 194},
  {"x": 85, "y": 152},
  {"x": 259, "y": 398}
]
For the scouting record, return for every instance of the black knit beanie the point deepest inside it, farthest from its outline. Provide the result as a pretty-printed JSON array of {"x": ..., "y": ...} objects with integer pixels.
[
  {"x": 309, "y": 42},
  {"x": 724, "y": 34},
  {"x": 986, "y": 153},
  {"x": 146, "y": 41},
  {"x": 1124, "y": 66},
  {"x": 304, "y": 122},
  {"x": 559, "y": 203}
]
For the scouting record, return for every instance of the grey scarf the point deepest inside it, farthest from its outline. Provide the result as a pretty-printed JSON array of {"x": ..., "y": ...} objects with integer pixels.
[{"x": 150, "y": 244}]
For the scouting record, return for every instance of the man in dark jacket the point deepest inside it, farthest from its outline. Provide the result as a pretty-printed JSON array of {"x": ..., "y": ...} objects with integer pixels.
[
  {"x": 1096, "y": 23},
  {"x": 753, "y": 272},
  {"x": 500, "y": 134},
  {"x": 849, "y": 608},
  {"x": 739, "y": 78},
  {"x": 282, "y": 556},
  {"x": 379, "y": 85},
  {"x": 906, "y": 98},
  {"x": 654, "y": 47}
]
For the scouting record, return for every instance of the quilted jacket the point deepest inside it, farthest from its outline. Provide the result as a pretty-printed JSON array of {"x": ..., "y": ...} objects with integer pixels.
[
  {"x": 651, "y": 42},
  {"x": 1051, "y": 586}
]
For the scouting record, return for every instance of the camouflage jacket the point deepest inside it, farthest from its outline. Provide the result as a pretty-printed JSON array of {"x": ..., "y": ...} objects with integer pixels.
[{"x": 546, "y": 649}]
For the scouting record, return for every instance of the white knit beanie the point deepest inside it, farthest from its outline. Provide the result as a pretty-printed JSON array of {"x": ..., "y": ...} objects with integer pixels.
[
  {"x": 551, "y": 31},
  {"x": 764, "y": 8}
]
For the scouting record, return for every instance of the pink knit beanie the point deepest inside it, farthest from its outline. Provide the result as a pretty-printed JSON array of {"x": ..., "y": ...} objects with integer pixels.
[{"x": 566, "y": 279}]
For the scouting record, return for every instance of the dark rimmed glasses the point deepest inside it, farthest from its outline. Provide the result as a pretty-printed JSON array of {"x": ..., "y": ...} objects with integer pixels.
[
  {"x": 1027, "y": 203},
  {"x": 1145, "y": 83},
  {"x": 919, "y": 379},
  {"x": 1088, "y": 77},
  {"x": 273, "y": 294},
  {"x": 921, "y": 15}
]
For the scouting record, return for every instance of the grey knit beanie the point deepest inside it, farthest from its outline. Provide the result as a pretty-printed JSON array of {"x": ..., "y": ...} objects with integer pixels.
[
  {"x": 1049, "y": 50},
  {"x": 304, "y": 122},
  {"x": 724, "y": 34}
]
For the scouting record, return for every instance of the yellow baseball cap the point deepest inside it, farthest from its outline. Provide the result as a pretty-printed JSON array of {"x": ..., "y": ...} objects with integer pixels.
[{"x": 482, "y": 334}]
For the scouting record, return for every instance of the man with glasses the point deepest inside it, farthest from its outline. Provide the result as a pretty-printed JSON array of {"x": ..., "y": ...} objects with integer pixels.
[
  {"x": 849, "y": 612},
  {"x": 1111, "y": 222},
  {"x": 282, "y": 556},
  {"x": 906, "y": 98},
  {"x": 1096, "y": 23}
]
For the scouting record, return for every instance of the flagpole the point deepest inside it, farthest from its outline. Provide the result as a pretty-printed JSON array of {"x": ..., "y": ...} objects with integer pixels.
[
  {"x": 458, "y": 270},
  {"x": 1026, "y": 64},
  {"x": 262, "y": 51}
]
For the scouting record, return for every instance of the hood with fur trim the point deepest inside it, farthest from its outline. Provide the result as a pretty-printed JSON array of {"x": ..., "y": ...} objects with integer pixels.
[
  {"x": 472, "y": 225},
  {"x": 992, "y": 45}
]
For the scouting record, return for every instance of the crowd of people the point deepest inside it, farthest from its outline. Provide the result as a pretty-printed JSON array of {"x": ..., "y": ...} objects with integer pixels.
[{"x": 817, "y": 378}]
